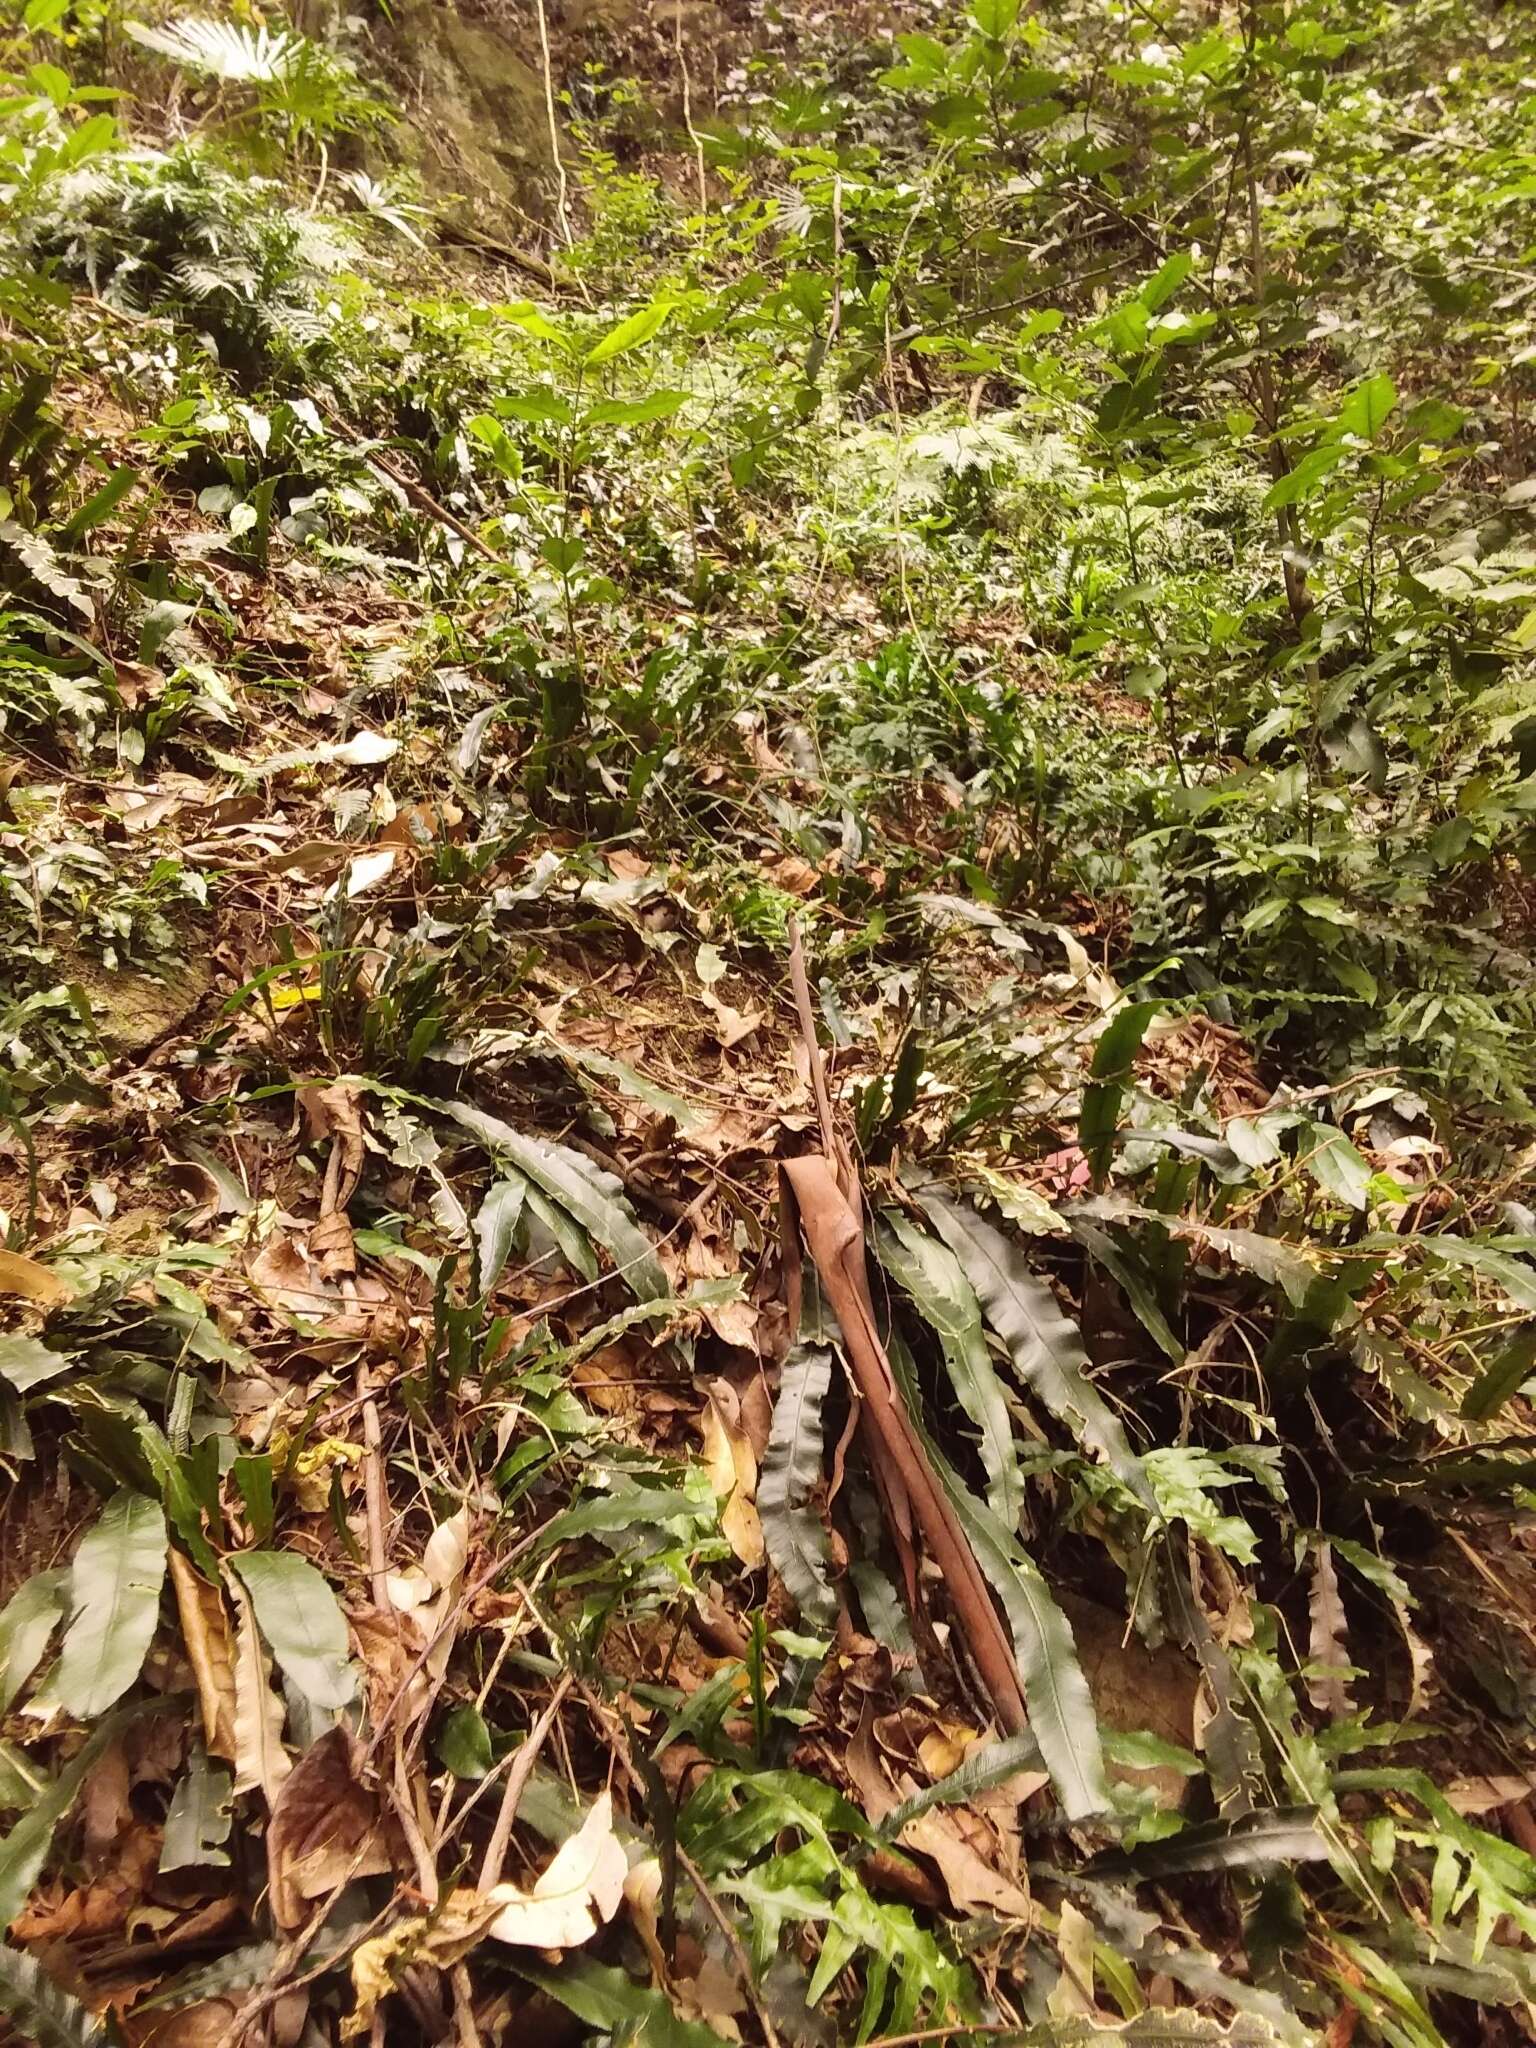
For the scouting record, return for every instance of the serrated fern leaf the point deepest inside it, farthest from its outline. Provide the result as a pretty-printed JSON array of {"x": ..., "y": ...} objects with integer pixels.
[
  {"x": 44, "y": 2012},
  {"x": 221, "y": 49}
]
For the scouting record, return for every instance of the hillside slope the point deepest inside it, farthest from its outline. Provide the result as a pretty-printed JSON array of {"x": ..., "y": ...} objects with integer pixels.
[{"x": 765, "y": 831}]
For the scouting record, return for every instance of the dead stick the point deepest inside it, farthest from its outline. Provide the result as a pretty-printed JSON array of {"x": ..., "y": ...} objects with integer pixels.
[
  {"x": 517, "y": 1778},
  {"x": 836, "y": 1242},
  {"x": 419, "y": 496},
  {"x": 800, "y": 983}
]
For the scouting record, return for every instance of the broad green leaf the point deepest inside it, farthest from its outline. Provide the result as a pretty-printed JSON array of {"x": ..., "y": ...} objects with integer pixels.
[
  {"x": 931, "y": 1274},
  {"x": 1290, "y": 1835},
  {"x": 570, "y": 1240},
  {"x": 1503, "y": 1379},
  {"x": 636, "y": 412},
  {"x": 26, "y": 1623},
  {"x": 1124, "y": 1267},
  {"x": 995, "y": 17},
  {"x": 688, "y": 1116},
  {"x": 793, "y": 1530},
  {"x": 608, "y": 2001},
  {"x": 26, "y": 1362},
  {"x": 607, "y": 1514},
  {"x": 464, "y": 1743},
  {"x": 114, "y": 1605},
  {"x": 304, "y": 1627},
  {"x": 989, "y": 1764},
  {"x": 1043, "y": 1342},
  {"x": 45, "y": 2014},
  {"x": 21, "y": 1780},
  {"x": 592, "y": 1197},
  {"x": 101, "y": 505},
  {"x": 1165, "y": 280},
  {"x": 198, "y": 1819},
  {"x": 1335, "y": 1165},
  {"x": 632, "y": 333},
  {"x": 1113, "y": 1058},
  {"x": 1061, "y": 1711},
  {"x": 1508, "y": 1273},
  {"x": 496, "y": 1223},
  {"x": 1365, "y": 411}
]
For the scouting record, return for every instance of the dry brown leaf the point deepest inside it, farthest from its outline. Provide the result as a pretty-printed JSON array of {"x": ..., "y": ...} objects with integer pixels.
[
  {"x": 1481, "y": 1795},
  {"x": 285, "y": 1277},
  {"x": 579, "y": 1891},
  {"x": 1072, "y": 1998},
  {"x": 731, "y": 1026},
  {"x": 364, "y": 871},
  {"x": 972, "y": 1883},
  {"x": 205, "y": 1632},
  {"x": 642, "y": 1895},
  {"x": 732, "y": 1467},
  {"x": 325, "y": 1828},
  {"x": 713, "y": 1994},
  {"x": 261, "y": 1762},
  {"x": 104, "y": 1803},
  {"x": 447, "y": 1550},
  {"x": 330, "y": 1243},
  {"x": 205, "y": 2025},
  {"x": 375, "y": 1964},
  {"x": 31, "y": 1280},
  {"x": 1327, "y": 1687}
]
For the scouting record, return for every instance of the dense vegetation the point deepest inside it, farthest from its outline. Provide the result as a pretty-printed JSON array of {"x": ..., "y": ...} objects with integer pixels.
[{"x": 769, "y": 1020}]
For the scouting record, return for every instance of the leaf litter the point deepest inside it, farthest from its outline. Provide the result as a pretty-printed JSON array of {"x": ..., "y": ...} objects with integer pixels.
[{"x": 555, "y": 1465}]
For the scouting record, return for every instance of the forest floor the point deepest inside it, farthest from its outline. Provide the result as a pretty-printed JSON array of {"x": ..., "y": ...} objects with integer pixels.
[{"x": 753, "y": 1300}]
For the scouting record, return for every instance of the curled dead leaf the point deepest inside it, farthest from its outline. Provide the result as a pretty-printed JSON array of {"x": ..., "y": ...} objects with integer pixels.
[
  {"x": 575, "y": 1896},
  {"x": 326, "y": 1828},
  {"x": 732, "y": 1466},
  {"x": 205, "y": 1632}
]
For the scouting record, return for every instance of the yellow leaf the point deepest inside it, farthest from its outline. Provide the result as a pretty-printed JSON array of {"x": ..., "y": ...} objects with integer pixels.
[
  {"x": 732, "y": 1467},
  {"x": 31, "y": 1280}
]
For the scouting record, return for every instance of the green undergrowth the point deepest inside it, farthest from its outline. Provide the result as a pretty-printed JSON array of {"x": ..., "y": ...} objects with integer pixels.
[{"x": 1049, "y": 525}]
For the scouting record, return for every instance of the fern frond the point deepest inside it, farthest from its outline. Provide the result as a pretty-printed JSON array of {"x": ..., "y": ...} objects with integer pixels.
[
  {"x": 222, "y": 49},
  {"x": 43, "y": 2011},
  {"x": 206, "y": 280}
]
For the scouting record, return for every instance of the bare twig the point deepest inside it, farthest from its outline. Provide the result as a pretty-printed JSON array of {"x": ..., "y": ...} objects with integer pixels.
[
  {"x": 517, "y": 1778},
  {"x": 554, "y": 129}
]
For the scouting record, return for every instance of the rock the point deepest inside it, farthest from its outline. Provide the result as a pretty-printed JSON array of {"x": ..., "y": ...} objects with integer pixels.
[{"x": 133, "y": 1010}]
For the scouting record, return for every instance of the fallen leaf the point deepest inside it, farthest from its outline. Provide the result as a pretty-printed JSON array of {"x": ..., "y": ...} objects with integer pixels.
[
  {"x": 732, "y": 1026},
  {"x": 325, "y": 1828},
  {"x": 579, "y": 1891},
  {"x": 1328, "y": 1686},
  {"x": 363, "y": 872},
  {"x": 205, "y": 1632},
  {"x": 31, "y": 1280},
  {"x": 447, "y": 1550},
  {"x": 260, "y": 1758},
  {"x": 1072, "y": 1997},
  {"x": 732, "y": 1467}
]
